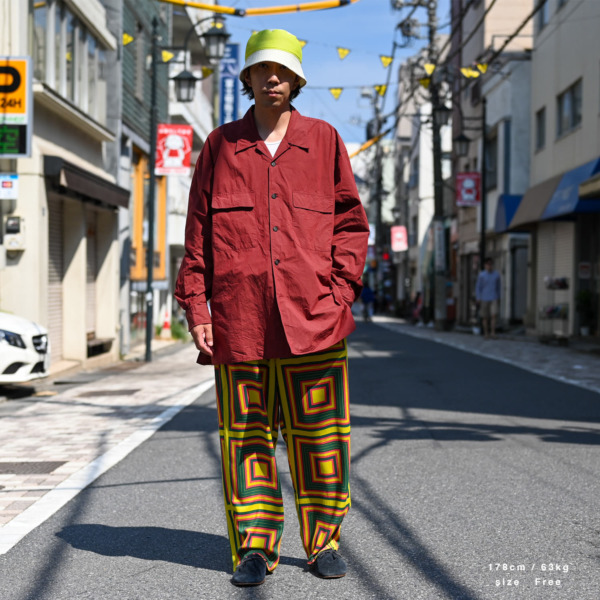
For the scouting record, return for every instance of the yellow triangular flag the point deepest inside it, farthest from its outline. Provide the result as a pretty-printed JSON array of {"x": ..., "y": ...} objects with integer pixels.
[
  {"x": 386, "y": 61},
  {"x": 429, "y": 68},
  {"x": 127, "y": 39},
  {"x": 302, "y": 43},
  {"x": 343, "y": 52},
  {"x": 167, "y": 56},
  {"x": 482, "y": 67},
  {"x": 470, "y": 73},
  {"x": 425, "y": 82},
  {"x": 206, "y": 71},
  {"x": 380, "y": 89},
  {"x": 336, "y": 92}
]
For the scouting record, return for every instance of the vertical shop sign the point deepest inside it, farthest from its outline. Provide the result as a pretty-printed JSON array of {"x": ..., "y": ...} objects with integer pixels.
[
  {"x": 229, "y": 94},
  {"x": 16, "y": 106}
]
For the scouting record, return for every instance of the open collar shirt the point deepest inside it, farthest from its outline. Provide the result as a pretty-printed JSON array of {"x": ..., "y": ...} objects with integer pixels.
[{"x": 277, "y": 244}]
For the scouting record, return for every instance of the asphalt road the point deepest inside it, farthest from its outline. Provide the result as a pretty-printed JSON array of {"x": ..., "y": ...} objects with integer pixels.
[{"x": 471, "y": 479}]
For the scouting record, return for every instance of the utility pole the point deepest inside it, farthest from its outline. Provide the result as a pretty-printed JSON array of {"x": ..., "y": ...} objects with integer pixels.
[
  {"x": 483, "y": 181},
  {"x": 151, "y": 198},
  {"x": 438, "y": 215}
]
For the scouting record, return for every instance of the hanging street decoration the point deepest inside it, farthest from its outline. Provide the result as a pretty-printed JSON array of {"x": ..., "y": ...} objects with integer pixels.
[
  {"x": 386, "y": 61},
  {"x": 380, "y": 89},
  {"x": 343, "y": 52},
  {"x": 127, "y": 39},
  {"x": 206, "y": 71},
  {"x": 302, "y": 43},
  {"x": 167, "y": 56},
  {"x": 425, "y": 82},
  {"x": 336, "y": 92},
  {"x": 267, "y": 10},
  {"x": 429, "y": 68}
]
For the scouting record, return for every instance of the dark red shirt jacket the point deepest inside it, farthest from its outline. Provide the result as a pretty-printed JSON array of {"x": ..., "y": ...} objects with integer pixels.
[{"x": 277, "y": 244}]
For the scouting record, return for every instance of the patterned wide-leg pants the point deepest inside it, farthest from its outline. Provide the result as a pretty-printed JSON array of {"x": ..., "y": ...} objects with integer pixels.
[{"x": 307, "y": 398}]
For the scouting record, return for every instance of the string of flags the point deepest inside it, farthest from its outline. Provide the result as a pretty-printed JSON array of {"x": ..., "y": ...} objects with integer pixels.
[{"x": 472, "y": 72}]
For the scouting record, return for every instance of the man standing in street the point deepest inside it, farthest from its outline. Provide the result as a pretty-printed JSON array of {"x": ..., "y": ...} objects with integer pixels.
[
  {"x": 276, "y": 240},
  {"x": 487, "y": 294}
]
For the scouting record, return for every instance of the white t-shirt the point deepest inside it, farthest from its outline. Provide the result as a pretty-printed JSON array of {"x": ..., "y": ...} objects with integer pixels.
[{"x": 272, "y": 146}]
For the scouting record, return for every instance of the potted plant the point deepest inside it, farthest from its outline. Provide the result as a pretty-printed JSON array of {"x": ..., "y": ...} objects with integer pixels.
[{"x": 585, "y": 309}]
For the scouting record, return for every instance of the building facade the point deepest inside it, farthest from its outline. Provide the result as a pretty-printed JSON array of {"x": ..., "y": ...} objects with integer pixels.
[
  {"x": 561, "y": 208},
  {"x": 65, "y": 274}
]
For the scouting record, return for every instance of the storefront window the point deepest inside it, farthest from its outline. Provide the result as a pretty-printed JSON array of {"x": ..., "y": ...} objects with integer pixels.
[
  {"x": 101, "y": 86},
  {"x": 58, "y": 47},
  {"x": 40, "y": 26},
  {"x": 70, "y": 54},
  {"x": 92, "y": 75}
]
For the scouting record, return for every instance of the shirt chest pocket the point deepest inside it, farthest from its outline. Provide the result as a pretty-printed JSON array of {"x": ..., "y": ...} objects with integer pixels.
[
  {"x": 313, "y": 220},
  {"x": 234, "y": 220}
]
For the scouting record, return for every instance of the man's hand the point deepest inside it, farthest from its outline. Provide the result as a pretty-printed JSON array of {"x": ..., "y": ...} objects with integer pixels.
[{"x": 203, "y": 338}]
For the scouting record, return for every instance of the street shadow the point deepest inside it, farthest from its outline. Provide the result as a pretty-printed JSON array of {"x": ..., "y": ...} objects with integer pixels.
[
  {"x": 433, "y": 376},
  {"x": 179, "y": 546},
  {"x": 386, "y": 430}
]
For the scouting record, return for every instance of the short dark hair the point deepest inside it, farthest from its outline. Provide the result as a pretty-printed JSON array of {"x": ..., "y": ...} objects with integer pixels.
[
  {"x": 488, "y": 260},
  {"x": 247, "y": 90}
]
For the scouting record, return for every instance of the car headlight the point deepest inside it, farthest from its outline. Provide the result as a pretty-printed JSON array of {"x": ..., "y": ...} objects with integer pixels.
[
  {"x": 12, "y": 339},
  {"x": 40, "y": 343}
]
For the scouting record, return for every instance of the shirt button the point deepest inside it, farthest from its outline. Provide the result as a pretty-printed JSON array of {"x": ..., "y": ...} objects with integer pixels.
[
  {"x": 273, "y": 163},
  {"x": 276, "y": 261},
  {"x": 275, "y": 228},
  {"x": 273, "y": 196}
]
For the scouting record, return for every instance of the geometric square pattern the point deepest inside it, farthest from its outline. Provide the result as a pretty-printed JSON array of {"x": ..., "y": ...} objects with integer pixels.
[
  {"x": 247, "y": 397},
  {"x": 253, "y": 472},
  {"x": 322, "y": 466},
  {"x": 321, "y": 392},
  {"x": 321, "y": 526}
]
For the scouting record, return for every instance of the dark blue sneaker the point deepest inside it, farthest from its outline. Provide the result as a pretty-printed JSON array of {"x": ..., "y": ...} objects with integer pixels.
[
  {"x": 329, "y": 565},
  {"x": 251, "y": 571}
]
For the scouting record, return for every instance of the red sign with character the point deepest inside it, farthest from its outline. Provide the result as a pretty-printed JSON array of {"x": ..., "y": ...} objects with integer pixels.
[
  {"x": 468, "y": 189},
  {"x": 173, "y": 149},
  {"x": 399, "y": 238}
]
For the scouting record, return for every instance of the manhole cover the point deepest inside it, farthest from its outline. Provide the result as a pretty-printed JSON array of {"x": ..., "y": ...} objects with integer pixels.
[
  {"x": 29, "y": 468},
  {"x": 97, "y": 393}
]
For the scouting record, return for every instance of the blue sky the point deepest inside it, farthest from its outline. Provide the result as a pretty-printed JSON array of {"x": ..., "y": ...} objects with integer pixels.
[{"x": 367, "y": 28}]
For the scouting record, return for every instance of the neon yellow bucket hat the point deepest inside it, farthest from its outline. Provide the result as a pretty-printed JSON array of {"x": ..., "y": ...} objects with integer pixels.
[{"x": 274, "y": 45}]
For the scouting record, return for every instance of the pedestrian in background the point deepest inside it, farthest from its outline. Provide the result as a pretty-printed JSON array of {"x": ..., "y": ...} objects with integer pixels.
[
  {"x": 367, "y": 298},
  {"x": 276, "y": 240},
  {"x": 487, "y": 294}
]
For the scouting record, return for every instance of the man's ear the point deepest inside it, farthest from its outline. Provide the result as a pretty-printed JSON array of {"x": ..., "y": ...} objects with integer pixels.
[{"x": 247, "y": 77}]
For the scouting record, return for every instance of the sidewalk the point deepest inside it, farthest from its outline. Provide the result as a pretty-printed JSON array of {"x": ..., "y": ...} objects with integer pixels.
[
  {"x": 577, "y": 364},
  {"x": 56, "y": 443}
]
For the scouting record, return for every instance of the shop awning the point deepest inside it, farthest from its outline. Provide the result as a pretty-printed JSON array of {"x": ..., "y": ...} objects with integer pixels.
[
  {"x": 505, "y": 211},
  {"x": 566, "y": 199},
  {"x": 533, "y": 203},
  {"x": 590, "y": 188},
  {"x": 75, "y": 179}
]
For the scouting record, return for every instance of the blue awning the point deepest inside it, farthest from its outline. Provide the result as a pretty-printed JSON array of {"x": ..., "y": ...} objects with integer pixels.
[
  {"x": 565, "y": 200},
  {"x": 505, "y": 211}
]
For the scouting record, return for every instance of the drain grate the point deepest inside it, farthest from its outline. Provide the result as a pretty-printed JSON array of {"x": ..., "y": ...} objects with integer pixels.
[
  {"x": 29, "y": 468},
  {"x": 98, "y": 393}
]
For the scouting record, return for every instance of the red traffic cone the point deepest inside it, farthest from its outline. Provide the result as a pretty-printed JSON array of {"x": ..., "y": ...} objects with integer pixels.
[{"x": 166, "y": 328}]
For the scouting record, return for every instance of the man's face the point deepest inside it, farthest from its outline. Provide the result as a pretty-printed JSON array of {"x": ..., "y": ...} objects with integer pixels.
[
  {"x": 488, "y": 267},
  {"x": 271, "y": 83}
]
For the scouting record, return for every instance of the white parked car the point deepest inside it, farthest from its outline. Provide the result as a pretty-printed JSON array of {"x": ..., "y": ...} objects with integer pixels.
[{"x": 24, "y": 349}]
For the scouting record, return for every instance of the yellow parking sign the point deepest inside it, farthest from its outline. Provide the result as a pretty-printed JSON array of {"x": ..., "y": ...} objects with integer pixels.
[{"x": 16, "y": 119}]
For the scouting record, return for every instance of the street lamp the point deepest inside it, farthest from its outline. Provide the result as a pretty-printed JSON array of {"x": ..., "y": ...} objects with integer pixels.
[
  {"x": 441, "y": 115},
  {"x": 461, "y": 145},
  {"x": 215, "y": 40},
  {"x": 185, "y": 82}
]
